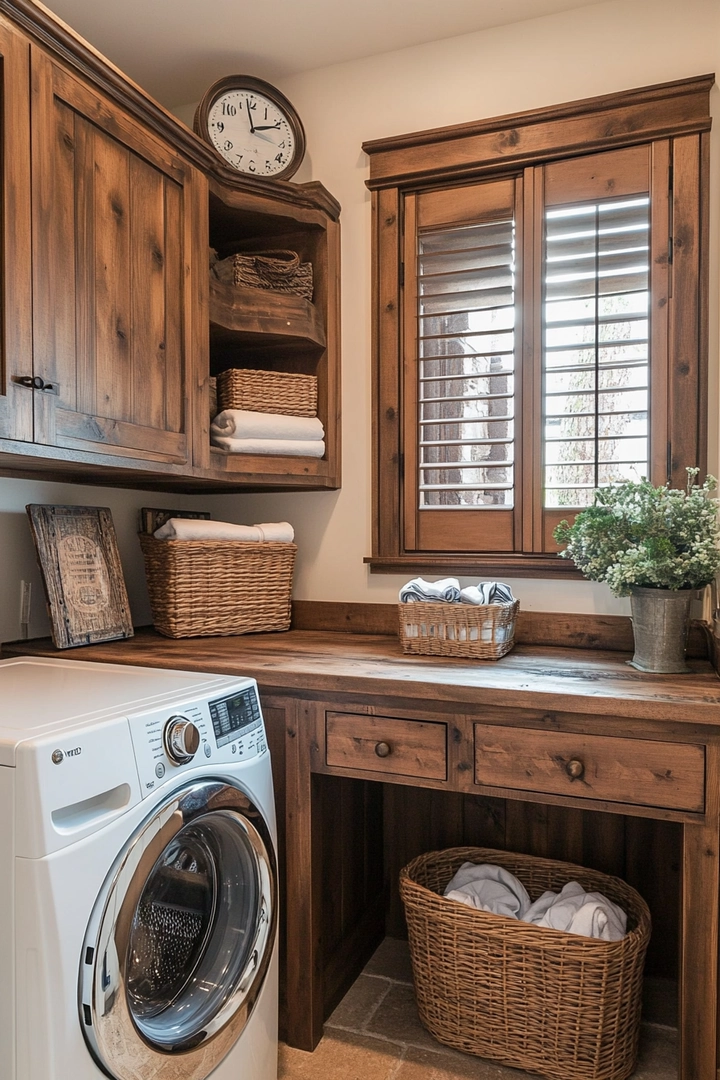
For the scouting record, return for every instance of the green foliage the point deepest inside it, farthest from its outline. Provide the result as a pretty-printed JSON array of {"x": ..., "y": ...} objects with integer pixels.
[{"x": 638, "y": 534}]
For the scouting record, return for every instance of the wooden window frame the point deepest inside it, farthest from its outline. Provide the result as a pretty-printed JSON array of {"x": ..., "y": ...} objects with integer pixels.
[{"x": 676, "y": 111}]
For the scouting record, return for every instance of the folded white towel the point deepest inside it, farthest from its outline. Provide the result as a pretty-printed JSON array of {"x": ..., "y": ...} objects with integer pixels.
[
  {"x": 199, "y": 529},
  {"x": 243, "y": 424},
  {"x": 281, "y": 447},
  {"x": 447, "y": 590},
  {"x": 488, "y": 888},
  {"x": 492, "y": 888},
  {"x": 277, "y": 531}
]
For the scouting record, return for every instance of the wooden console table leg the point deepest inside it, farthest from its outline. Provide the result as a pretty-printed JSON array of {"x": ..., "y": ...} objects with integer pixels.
[
  {"x": 699, "y": 936},
  {"x": 304, "y": 979}
]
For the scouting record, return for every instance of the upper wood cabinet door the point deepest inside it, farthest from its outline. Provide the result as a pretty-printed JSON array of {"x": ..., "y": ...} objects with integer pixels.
[
  {"x": 16, "y": 360},
  {"x": 112, "y": 239}
]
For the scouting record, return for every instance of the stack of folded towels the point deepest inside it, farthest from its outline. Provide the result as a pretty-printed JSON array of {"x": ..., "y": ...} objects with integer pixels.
[
  {"x": 202, "y": 529},
  {"x": 240, "y": 431},
  {"x": 448, "y": 591},
  {"x": 487, "y": 887}
]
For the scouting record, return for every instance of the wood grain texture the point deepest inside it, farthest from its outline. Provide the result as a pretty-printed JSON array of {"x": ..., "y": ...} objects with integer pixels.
[
  {"x": 16, "y": 401},
  {"x": 560, "y": 629},
  {"x": 386, "y": 746},
  {"x": 77, "y": 552},
  {"x": 599, "y": 123},
  {"x": 108, "y": 275},
  {"x": 617, "y": 770},
  {"x": 591, "y": 683}
]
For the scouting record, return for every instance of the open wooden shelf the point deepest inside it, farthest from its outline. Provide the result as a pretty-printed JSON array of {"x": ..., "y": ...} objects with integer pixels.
[{"x": 262, "y": 317}]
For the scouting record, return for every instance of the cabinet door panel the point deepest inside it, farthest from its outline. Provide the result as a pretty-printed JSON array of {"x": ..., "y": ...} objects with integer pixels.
[
  {"x": 16, "y": 401},
  {"x": 111, "y": 213}
]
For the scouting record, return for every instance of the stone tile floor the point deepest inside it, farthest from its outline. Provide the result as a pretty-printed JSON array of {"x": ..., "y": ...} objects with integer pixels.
[{"x": 375, "y": 1034}]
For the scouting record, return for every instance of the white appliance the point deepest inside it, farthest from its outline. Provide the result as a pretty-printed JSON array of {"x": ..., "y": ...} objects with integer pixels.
[{"x": 138, "y": 885}]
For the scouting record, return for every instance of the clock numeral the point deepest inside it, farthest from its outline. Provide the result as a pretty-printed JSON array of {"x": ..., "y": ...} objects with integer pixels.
[
  {"x": 239, "y": 157},
  {"x": 227, "y": 145},
  {"x": 281, "y": 145},
  {"x": 220, "y": 127},
  {"x": 251, "y": 165},
  {"x": 228, "y": 110},
  {"x": 279, "y": 157},
  {"x": 265, "y": 117}
]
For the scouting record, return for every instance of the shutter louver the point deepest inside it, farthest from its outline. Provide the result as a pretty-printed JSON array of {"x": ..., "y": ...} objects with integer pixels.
[
  {"x": 466, "y": 366},
  {"x": 595, "y": 348}
]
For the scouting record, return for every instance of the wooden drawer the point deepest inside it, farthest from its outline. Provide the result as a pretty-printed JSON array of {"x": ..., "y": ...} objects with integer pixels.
[
  {"x": 382, "y": 744},
  {"x": 635, "y": 771}
]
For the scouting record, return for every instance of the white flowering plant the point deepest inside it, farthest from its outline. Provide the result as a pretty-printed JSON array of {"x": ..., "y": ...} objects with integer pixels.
[{"x": 638, "y": 534}]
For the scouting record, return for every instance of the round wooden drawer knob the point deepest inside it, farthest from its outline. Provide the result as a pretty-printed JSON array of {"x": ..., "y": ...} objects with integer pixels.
[
  {"x": 382, "y": 749},
  {"x": 575, "y": 768}
]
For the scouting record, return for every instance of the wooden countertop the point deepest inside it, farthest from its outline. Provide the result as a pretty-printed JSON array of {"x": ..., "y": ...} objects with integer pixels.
[{"x": 585, "y": 681}]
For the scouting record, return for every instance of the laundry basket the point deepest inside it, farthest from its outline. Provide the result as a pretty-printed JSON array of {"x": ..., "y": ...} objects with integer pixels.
[
  {"x": 201, "y": 588},
  {"x": 564, "y": 1006}
]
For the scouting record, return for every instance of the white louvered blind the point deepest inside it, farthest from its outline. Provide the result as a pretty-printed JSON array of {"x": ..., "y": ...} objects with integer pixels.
[
  {"x": 595, "y": 347},
  {"x": 466, "y": 366}
]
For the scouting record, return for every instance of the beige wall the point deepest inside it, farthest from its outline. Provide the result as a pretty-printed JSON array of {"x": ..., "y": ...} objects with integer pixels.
[
  {"x": 594, "y": 50},
  {"x": 577, "y": 54}
]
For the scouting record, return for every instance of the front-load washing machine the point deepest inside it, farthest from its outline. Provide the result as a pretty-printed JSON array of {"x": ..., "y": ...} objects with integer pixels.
[{"x": 138, "y": 884}]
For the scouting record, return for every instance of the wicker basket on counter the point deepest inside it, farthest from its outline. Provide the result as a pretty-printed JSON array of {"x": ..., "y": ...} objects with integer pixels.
[
  {"x": 204, "y": 588},
  {"x": 564, "y": 1006},
  {"x": 483, "y": 631},
  {"x": 267, "y": 391}
]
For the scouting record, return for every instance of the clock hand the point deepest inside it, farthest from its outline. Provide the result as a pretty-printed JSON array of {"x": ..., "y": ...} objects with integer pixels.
[
  {"x": 247, "y": 106},
  {"x": 267, "y": 127}
]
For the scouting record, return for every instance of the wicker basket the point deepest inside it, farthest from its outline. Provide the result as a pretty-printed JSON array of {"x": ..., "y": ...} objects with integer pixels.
[
  {"x": 483, "y": 631},
  {"x": 201, "y": 588},
  {"x": 564, "y": 1006},
  {"x": 280, "y": 271},
  {"x": 267, "y": 392}
]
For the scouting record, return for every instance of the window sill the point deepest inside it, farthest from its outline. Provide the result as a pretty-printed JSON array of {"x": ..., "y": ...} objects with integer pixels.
[{"x": 484, "y": 565}]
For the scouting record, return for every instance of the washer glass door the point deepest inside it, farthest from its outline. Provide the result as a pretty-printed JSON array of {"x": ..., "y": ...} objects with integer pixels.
[{"x": 180, "y": 939}]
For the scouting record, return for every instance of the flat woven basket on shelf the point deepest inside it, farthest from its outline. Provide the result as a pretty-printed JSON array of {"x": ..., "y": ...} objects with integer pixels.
[
  {"x": 281, "y": 271},
  {"x": 483, "y": 631},
  {"x": 267, "y": 391},
  {"x": 564, "y": 1006},
  {"x": 201, "y": 588}
]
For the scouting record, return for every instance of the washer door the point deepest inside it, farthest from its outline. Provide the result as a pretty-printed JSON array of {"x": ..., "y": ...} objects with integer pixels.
[{"x": 180, "y": 938}]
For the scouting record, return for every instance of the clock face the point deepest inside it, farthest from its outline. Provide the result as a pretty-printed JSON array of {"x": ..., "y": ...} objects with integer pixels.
[{"x": 252, "y": 133}]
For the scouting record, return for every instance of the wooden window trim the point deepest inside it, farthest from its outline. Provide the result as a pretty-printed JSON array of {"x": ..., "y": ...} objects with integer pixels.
[{"x": 442, "y": 157}]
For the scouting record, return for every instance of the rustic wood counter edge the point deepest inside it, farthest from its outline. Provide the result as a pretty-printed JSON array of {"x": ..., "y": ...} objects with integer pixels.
[{"x": 342, "y": 693}]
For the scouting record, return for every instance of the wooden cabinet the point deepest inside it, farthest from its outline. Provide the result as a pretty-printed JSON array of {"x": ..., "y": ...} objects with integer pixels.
[
  {"x": 110, "y": 331},
  {"x": 16, "y": 406},
  {"x": 112, "y": 246}
]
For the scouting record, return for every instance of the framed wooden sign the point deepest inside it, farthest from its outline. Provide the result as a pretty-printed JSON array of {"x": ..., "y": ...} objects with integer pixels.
[{"x": 84, "y": 585}]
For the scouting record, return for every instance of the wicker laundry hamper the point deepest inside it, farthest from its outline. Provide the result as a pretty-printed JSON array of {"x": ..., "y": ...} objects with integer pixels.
[
  {"x": 564, "y": 1006},
  {"x": 202, "y": 588},
  {"x": 267, "y": 391}
]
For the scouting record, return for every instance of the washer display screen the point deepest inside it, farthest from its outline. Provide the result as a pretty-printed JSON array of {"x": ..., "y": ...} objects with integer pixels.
[{"x": 235, "y": 715}]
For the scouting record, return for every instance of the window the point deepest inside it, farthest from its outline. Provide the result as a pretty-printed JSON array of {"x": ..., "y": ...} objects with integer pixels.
[{"x": 539, "y": 323}]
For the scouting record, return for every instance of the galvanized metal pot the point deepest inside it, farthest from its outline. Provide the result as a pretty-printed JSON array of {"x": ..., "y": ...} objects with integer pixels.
[{"x": 660, "y": 619}]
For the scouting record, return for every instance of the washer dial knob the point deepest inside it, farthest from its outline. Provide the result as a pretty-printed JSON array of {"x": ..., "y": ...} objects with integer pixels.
[{"x": 181, "y": 739}]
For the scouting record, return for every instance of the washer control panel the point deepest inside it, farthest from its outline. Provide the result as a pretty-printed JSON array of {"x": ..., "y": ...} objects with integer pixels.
[{"x": 169, "y": 741}]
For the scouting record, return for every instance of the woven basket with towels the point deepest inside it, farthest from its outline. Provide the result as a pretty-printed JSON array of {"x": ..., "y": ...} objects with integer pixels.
[
  {"x": 441, "y": 619},
  {"x": 205, "y": 580}
]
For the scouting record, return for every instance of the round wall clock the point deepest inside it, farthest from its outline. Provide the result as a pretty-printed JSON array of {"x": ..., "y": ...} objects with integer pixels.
[{"x": 252, "y": 126}]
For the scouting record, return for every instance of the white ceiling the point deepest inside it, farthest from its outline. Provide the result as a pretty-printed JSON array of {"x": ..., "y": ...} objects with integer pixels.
[{"x": 176, "y": 48}]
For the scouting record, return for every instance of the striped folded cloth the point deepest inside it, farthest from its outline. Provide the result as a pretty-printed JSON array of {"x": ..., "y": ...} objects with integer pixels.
[
  {"x": 487, "y": 592},
  {"x": 448, "y": 591}
]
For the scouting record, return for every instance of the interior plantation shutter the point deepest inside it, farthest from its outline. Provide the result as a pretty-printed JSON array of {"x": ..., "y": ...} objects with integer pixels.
[
  {"x": 461, "y": 393},
  {"x": 601, "y": 323}
]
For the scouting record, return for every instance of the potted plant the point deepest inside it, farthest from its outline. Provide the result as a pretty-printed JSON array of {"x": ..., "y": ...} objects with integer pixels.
[{"x": 656, "y": 544}]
